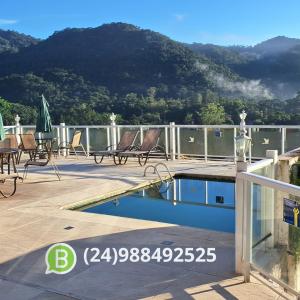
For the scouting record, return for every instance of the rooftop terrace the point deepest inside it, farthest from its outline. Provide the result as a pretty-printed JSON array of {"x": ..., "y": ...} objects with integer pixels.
[
  {"x": 41, "y": 213},
  {"x": 34, "y": 218}
]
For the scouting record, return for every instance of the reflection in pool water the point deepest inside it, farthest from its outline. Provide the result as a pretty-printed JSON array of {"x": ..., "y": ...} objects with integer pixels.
[{"x": 184, "y": 201}]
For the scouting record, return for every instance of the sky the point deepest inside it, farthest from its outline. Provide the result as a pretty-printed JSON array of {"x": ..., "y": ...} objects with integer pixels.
[{"x": 223, "y": 22}]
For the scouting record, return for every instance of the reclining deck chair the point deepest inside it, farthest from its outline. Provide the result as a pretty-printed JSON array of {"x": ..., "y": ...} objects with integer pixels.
[
  {"x": 149, "y": 146},
  {"x": 28, "y": 145},
  {"x": 73, "y": 144},
  {"x": 126, "y": 143}
]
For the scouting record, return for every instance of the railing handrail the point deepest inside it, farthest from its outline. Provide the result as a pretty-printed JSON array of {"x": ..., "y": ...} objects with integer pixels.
[
  {"x": 260, "y": 164},
  {"x": 176, "y": 125},
  {"x": 173, "y": 133},
  {"x": 224, "y": 126},
  {"x": 271, "y": 183}
]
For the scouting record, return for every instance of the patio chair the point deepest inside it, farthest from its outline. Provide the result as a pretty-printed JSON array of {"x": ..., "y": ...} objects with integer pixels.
[
  {"x": 8, "y": 184},
  {"x": 42, "y": 158},
  {"x": 126, "y": 142},
  {"x": 11, "y": 142},
  {"x": 73, "y": 144},
  {"x": 28, "y": 145},
  {"x": 149, "y": 146}
]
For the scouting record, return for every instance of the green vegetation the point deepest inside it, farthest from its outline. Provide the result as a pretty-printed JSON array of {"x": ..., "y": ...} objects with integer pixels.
[
  {"x": 212, "y": 114},
  {"x": 143, "y": 77},
  {"x": 11, "y": 41},
  {"x": 10, "y": 110}
]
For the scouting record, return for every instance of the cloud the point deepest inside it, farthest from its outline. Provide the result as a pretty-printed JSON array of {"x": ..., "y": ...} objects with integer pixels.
[
  {"x": 8, "y": 21},
  {"x": 247, "y": 88},
  {"x": 179, "y": 17}
]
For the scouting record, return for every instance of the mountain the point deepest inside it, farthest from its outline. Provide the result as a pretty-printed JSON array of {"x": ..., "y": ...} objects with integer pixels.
[
  {"x": 275, "y": 63},
  {"x": 222, "y": 55},
  {"x": 144, "y": 76},
  {"x": 121, "y": 57},
  {"x": 12, "y": 41},
  {"x": 276, "y": 45}
]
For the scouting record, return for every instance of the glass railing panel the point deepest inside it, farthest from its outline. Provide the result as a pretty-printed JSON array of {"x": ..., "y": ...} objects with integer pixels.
[
  {"x": 220, "y": 141},
  {"x": 192, "y": 141},
  {"x": 265, "y": 139},
  {"x": 275, "y": 234},
  {"x": 267, "y": 171},
  {"x": 98, "y": 139},
  {"x": 121, "y": 131},
  {"x": 9, "y": 130},
  {"x": 292, "y": 139},
  {"x": 71, "y": 131},
  {"x": 28, "y": 129}
]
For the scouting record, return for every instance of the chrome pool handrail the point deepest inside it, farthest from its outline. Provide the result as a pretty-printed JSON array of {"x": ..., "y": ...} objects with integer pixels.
[{"x": 155, "y": 170}]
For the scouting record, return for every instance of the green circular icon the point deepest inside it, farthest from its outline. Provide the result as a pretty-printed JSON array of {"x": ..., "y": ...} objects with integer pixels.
[{"x": 60, "y": 259}]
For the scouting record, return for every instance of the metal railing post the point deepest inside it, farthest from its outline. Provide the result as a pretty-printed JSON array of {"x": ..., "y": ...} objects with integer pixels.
[
  {"x": 205, "y": 144},
  {"x": 234, "y": 146},
  {"x": 283, "y": 137},
  {"x": 108, "y": 136},
  {"x": 113, "y": 135},
  {"x": 172, "y": 141},
  {"x": 63, "y": 140},
  {"x": 18, "y": 128},
  {"x": 58, "y": 138},
  {"x": 239, "y": 218},
  {"x": 166, "y": 140},
  {"x": 247, "y": 230},
  {"x": 87, "y": 139},
  {"x": 178, "y": 142},
  {"x": 250, "y": 147},
  {"x": 141, "y": 135},
  {"x": 118, "y": 134}
]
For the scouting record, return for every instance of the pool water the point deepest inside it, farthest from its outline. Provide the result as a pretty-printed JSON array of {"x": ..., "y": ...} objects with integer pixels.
[{"x": 191, "y": 202}]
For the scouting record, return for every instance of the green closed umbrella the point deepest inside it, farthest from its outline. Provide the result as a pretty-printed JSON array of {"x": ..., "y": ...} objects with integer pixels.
[
  {"x": 2, "y": 132},
  {"x": 43, "y": 123}
]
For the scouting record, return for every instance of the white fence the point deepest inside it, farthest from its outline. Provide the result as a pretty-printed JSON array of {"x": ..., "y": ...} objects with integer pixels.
[
  {"x": 265, "y": 243},
  {"x": 203, "y": 141}
]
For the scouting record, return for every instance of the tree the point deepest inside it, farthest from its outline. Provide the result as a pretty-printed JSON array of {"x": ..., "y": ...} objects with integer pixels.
[
  {"x": 212, "y": 114},
  {"x": 10, "y": 110}
]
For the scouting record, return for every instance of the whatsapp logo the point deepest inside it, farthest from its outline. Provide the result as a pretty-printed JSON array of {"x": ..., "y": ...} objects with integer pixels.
[{"x": 60, "y": 259}]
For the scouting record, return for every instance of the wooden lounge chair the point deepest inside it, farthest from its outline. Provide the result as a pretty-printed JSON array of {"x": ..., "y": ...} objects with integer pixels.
[
  {"x": 149, "y": 146},
  {"x": 73, "y": 144},
  {"x": 28, "y": 145},
  {"x": 126, "y": 143}
]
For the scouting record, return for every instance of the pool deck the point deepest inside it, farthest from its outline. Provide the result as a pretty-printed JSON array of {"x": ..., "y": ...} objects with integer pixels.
[{"x": 34, "y": 218}]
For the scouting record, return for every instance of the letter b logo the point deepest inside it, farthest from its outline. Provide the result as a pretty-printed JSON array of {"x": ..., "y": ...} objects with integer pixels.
[{"x": 60, "y": 259}]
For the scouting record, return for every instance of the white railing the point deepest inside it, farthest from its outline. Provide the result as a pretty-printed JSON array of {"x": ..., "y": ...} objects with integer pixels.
[
  {"x": 262, "y": 238},
  {"x": 203, "y": 141}
]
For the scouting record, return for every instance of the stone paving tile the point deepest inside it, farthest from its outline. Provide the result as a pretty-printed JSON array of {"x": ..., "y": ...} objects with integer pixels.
[
  {"x": 33, "y": 220},
  {"x": 13, "y": 291}
]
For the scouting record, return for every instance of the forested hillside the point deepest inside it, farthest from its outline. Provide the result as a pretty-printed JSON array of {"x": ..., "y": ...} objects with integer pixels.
[
  {"x": 11, "y": 41},
  {"x": 145, "y": 77}
]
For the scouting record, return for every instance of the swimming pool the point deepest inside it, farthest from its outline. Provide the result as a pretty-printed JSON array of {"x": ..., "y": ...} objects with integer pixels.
[{"x": 200, "y": 203}]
